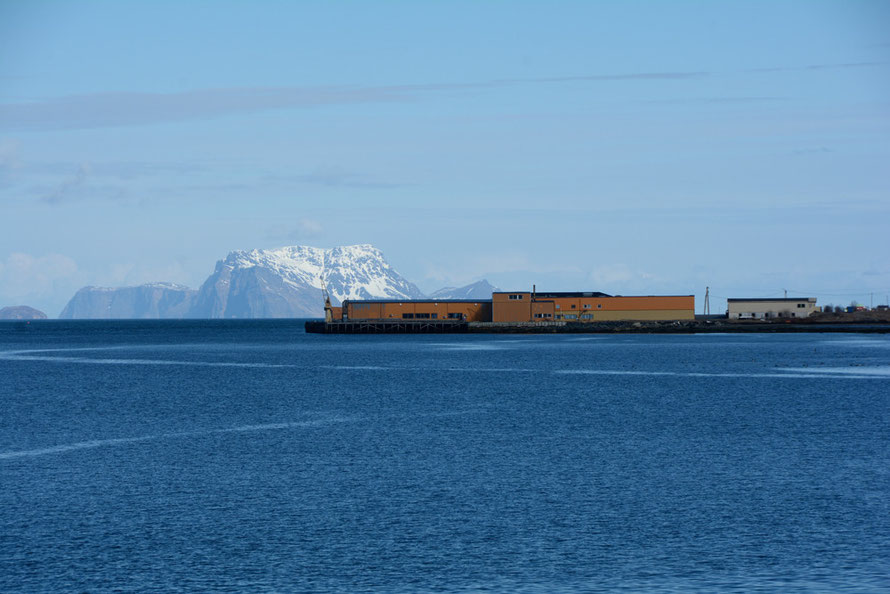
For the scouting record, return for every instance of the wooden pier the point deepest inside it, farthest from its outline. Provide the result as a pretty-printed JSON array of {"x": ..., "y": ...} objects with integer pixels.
[{"x": 388, "y": 327}]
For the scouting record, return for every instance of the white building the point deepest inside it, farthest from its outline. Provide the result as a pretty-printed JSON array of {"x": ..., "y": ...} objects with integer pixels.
[{"x": 764, "y": 309}]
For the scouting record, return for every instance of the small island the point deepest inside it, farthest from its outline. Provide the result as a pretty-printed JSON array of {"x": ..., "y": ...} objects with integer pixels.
[{"x": 21, "y": 312}]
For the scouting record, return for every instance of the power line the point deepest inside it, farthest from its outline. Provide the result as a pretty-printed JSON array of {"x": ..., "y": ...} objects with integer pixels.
[
  {"x": 857, "y": 293},
  {"x": 811, "y": 292}
]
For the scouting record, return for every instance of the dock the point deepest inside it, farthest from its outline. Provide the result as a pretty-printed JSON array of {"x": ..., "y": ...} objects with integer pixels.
[
  {"x": 624, "y": 327},
  {"x": 389, "y": 327}
]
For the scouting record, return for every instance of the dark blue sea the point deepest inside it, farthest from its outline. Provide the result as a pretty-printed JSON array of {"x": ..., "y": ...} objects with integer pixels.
[{"x": 248, "y": 456}]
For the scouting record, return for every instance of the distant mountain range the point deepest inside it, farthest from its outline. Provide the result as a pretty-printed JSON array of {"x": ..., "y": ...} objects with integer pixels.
[
  {"x": 478, "y": 290},
  {"x": 280, "y": 283}
]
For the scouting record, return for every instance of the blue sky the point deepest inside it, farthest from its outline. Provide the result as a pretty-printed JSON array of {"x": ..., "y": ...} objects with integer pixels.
[{"x": 625, "y": 147}]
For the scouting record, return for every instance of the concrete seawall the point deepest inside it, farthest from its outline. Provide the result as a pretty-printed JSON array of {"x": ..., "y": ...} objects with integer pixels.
[{"x": 675, "y": 327}]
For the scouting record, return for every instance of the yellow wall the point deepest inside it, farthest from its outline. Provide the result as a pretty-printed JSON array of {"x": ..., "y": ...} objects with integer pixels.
[
  {"x": 673, "y": 307},
  {"x": 525, "y": 309},
  {"x": 633, "y": 314},
  {"x": 505, "y": 309},
  {"x": 473, "y": 311}
]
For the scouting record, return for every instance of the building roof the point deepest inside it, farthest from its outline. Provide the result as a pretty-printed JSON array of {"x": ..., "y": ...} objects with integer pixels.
[
  {"x": 361, "y": 301},
  {"x": 558, "y": 294},
  {"x": 813, "y": 299}
]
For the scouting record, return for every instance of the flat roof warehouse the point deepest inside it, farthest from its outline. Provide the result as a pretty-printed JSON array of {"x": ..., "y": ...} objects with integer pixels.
[{"x": 521, "y": 307}]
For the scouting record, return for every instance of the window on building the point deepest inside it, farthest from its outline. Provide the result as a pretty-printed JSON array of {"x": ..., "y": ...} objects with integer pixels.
[
  {"x": 455, "y": 316},
  {"x": 586, "y": 316},
  {"x": 435, "y": 316},
  {"x": 599, "y": 305},
  {"x": 422, "y": 316},
  {"x": 586, "y": 306},
  {"x": 801, "y": 305},
  {"x": 573, "y": 306},
  {"x": 557, "y": 306},
  {"x": 515, "y": 297},
  {"x": 407, "y": 316},
  {"x": 571, "y": 316}
]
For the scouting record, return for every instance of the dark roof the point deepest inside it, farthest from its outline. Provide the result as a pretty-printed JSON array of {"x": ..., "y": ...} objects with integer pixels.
[
  {"x": 813, "y": 299},
  {"x": 361, "y": 301},
  {"x": 558, "y": 294}
]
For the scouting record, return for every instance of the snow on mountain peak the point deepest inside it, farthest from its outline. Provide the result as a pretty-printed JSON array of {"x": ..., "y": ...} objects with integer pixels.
[{"x": 349, "y": 272}]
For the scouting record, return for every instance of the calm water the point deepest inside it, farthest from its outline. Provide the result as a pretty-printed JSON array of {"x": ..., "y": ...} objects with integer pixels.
[{"x": 249, "y": 456}]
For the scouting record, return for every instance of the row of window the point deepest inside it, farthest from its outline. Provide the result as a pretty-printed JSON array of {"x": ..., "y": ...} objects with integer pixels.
[
  {"x": 588, "y": 316},
  {"x": 431, "y": 316},
  {"x": 766, "y": 315},
  {"x": 585, "y": 306}
]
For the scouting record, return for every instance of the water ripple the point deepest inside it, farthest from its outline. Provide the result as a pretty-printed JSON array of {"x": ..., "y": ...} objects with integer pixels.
[{"x": 100, "y": 443}]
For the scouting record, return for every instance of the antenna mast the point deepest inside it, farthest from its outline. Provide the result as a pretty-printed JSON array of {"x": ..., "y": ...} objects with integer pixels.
[{"x": 707, "y": 310}]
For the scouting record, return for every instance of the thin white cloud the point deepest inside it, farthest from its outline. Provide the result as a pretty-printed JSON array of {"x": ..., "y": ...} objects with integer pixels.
[
  {"x": 24, "y": 275},
  {"x": 68, "y": 186},
  {"x": 9, "y": 155},
  {"x": 494, "y": 265},
  {"x": 841, "y": 66},
  {"x": 304, "y": 229},
  {"x": 620, "y": 276},
  {"x": 99, "y": 110},
  {"x": 337, "y": 177},
  {"x": 309, "y": 227}
]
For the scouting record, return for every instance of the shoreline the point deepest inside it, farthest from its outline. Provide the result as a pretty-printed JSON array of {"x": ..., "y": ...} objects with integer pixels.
[
  {"x": 723, "y": 326},
  {"x": 686, "y": 327}
]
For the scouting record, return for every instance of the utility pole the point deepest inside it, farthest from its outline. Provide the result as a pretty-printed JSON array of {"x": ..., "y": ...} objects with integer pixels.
[
  {"x": 531, "y": 304},
  {"x": 707, "y": 310},
  {"x": 786, "y": 293}
]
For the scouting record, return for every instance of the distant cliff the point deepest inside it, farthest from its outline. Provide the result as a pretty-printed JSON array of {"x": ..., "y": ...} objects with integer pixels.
[
  {"x": 151, "y": 301},
  {"x": 21, "y": 312}
]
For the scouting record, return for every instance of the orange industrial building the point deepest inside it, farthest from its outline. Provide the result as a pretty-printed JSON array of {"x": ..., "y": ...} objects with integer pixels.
[
  {"x": 522, "y": 307},
  {"x": 478, "y": 310}
]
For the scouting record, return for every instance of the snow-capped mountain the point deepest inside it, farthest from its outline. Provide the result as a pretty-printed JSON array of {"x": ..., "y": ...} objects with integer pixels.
[
  {"x": 478, "y": 290},
  {"x": 361, "y": 272},
  {"x": 280, "y": 283},
  {"x": 287, "y": 282}
]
